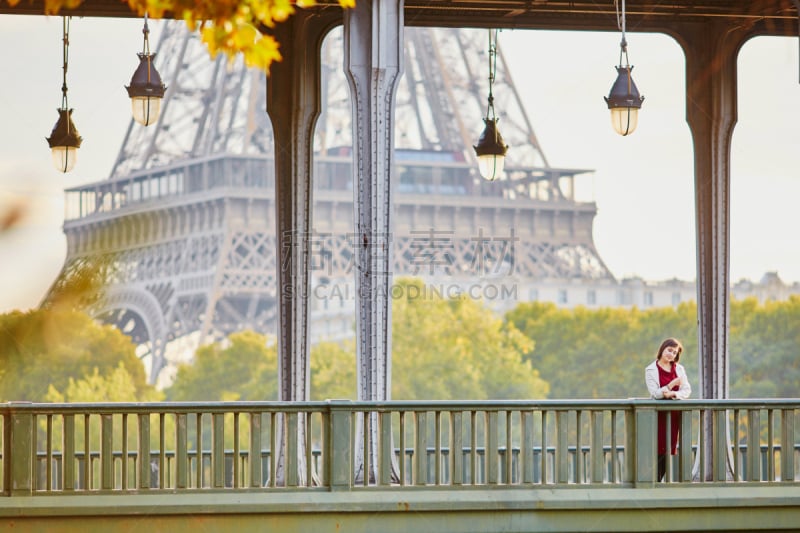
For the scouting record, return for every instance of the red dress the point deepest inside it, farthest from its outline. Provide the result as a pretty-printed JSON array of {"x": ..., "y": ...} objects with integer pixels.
[{"x": 664, "y": 377}]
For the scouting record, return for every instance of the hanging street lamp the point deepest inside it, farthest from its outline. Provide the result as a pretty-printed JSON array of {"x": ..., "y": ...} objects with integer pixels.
[
  {"x": 64, "y": 140},
  {"x": 491, "y": 150},
  {"x": 146, "y": 89},
  {"x": 624, "y": 100}
]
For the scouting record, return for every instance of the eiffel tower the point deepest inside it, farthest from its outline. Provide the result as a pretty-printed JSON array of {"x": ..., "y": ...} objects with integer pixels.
[{"x": 188, "y": 210}]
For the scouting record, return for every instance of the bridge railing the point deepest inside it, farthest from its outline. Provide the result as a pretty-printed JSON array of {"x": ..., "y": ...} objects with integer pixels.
[{"x": 91, "y": 448}]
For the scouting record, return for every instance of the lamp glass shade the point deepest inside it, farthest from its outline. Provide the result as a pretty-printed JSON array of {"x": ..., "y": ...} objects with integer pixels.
[
  {"x": 624, "y": 119},
  {"x": 64, "y": 158},
  {"x": 146, "y": 91},
  {"x": 146, "y": 109},
  {"x": 64, "y": 141},
  {"x": 491, "y": 166},
  {"x": 491, "y": 151}
]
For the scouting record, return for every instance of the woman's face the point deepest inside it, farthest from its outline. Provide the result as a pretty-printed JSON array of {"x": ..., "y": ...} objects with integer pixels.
[{"x": 669, "y": 354}]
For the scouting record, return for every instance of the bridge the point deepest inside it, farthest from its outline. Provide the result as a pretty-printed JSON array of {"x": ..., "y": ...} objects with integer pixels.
[
  {"x": 376, "y": 464},
  {"x": 440, "y": 466}
]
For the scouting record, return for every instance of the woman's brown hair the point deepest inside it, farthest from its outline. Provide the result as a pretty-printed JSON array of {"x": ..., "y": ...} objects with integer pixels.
[{"x": 666, "y": 344}]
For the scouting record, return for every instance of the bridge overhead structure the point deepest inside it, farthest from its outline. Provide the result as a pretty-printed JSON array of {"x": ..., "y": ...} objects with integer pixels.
[{"x": 711, "y": 32}]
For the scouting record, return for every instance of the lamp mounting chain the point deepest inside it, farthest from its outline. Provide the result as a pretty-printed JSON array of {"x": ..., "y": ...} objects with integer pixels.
[
  {"x": 624, "y": 100},
  {"x": 64, "y": 140},
  {"x": 491, "y": 150}
]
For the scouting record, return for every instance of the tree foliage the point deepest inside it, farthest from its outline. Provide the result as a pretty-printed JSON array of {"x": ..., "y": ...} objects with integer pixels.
[
  {"x": 243, "y": 368},
  {"x": 456, "y": 349},
  {"x": 228, "y": 26},
  {"x": 116, "y": 386},
  {"x": 765, "y": 349},
  {"x": 51, "y": 346},
  {"x": 602, "y": 353},
  {"x": 442, "y": 349},
  {"x": 333, "y": 371}
]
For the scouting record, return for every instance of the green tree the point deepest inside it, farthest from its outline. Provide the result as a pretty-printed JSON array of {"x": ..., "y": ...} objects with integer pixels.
[
  {"x": 764, "y": 348},
  {"x": 601, "y": 353},
  {"x": 456, "y": 349},
  {"x": 333, "y": 371},
  {"x": 245, "y": 367},
  {"x": 53, "y": 345},
  {"x": 116, "y": 386}
]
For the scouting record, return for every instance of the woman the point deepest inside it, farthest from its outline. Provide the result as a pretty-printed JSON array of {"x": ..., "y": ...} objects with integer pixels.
[{"x": 666, "y": 380}]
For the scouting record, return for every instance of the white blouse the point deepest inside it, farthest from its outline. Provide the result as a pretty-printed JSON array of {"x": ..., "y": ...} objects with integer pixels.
[{"x": 657, "y": 391}]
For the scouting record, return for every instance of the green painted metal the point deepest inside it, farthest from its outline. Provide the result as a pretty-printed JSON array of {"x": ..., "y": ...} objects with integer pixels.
[
  {"x": 551, "y": 443},
  {"x": 22, "y": 446},
  {"x": 217, "y": 450},
  {"x": 182, "y": 460},
  {"x": 597, "y": 459},
  {"x": 68, "y": 467},
  {"x": 437, "y": 439},
  {"x": 685, "y": 447},
  {"x": 457, "y": 459},
  {"x": 339, "y": 452},
  {"x": 236, "y": 451},
  {"x": 386, "y": 453},
  {"x": 491, "y": 449},
  {"x": 629, "y": 475},
  {"x": 106, "y": 451},
  {"x": 144, "y": 450},
  {"x": 562, "y": 458},
  {"x": 753, "y": 443},
  {"x": 787, "y": 443},
  {"x": 420, "y": 447},
  {"x": 720, "y": 436},
  {"x": 646, "y": 447},
  {"x": 510, "y": 453},
  {"x": 255, "y": 445},
  {"x": 291, "y": 450},
  {"x": 696, "y": 508},
  {"x": 505, "y": 475},
  {"x": 125, "y": 458},
  {"x": 527, "y": 447}
]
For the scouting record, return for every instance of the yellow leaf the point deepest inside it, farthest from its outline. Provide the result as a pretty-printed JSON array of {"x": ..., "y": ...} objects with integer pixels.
[
  {"x": 244, "y": 36},
  {"x": 281, "y": 10}
]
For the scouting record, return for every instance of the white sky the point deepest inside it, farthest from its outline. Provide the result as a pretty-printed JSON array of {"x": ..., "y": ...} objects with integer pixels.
[{"x": 643, "y": 184}]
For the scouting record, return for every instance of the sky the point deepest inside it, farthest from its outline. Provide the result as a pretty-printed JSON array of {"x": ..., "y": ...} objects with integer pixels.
[{"x": 642, "y": 184}]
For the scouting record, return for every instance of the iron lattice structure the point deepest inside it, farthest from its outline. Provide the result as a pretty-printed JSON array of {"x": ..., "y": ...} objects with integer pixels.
[{"x": 186, "y": 218}]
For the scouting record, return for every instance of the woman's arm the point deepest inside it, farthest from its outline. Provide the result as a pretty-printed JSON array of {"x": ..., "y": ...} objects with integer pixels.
[
  {"x": 685, "y": 389},
  {"x": 651, "y": 380}
]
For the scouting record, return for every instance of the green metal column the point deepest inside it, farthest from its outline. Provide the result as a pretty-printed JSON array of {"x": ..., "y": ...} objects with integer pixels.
[
  {"x": 19, "y": 453},
  {"x": 646, "y": 435},
  {"x": 338, "y": 458},
  {"x": 787, "y": 445}
]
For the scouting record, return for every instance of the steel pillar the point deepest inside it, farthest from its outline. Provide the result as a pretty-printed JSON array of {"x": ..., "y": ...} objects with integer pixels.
[
  {"x": 373, "y": 40},
  {"x": 711, "y": 111},
  {"x": 293, "y": 104}
]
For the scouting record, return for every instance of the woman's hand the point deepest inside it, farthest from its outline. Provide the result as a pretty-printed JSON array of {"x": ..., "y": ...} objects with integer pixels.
[
  {"x": 674, "y": 383},
  {"x": 671, "y": 394}
]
